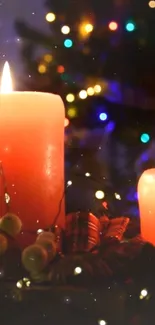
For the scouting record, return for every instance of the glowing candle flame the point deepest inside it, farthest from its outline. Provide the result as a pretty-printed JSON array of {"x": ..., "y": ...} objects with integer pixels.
[{"x": 6, "y": 81}]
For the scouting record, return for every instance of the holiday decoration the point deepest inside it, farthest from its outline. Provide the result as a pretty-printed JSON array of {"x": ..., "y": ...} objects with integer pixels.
[
  {"x": 10, "y": 227},
  {"x": 82, "y": 232},
  {"x": 146, "y": 188},
  {"x": 35, "y": 258},
  {"x": 32, "y": 169},
  {"x": 10, "y": 224},
  {"x": 117, "y": 228},
  {"x": 49, "y": 244}
]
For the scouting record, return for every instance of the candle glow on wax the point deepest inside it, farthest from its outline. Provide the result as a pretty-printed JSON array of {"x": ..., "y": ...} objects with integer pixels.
[
  {"x": 31, "y": 155},
  {"x": 146, "y": 189},
  {"x": 6, "y": 81}
]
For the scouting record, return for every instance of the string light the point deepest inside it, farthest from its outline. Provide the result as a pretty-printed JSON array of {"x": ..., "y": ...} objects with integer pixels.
[
  {"x": 65, "y": 30},
  {"x": 85, "y": 29},
  {"x": 89, "y": 28},
  {"x": 90, "y": 91},
  {"x": 117, "y": 196},
  {"x": 68, "y": 43},
  {"x": 130, "y": 27},
  {"x": 102, "y": 322},
  {"x": 143, "y": 294},
  {"x": 151, "y": 4},
  {"x": 19, "y": 284},
  {"x": 113, "y": 26},
  {"x": 97, "y": 89},
  {"x": 48, "y": 58},
  {"x": 103, "y": 116},
  {"x": 99, "y": 195},
  {"x": 83, "y": 94},
  {"x": 70, "y": 98},
  {"x": 69, "y": 183},
  {"x": 61, "y": 69},
  {"x": 77, "y": 270},
  {"x": 50, "y": 17},
  {"x": 42, "y": 68},
  {"x": 145, "y": 138},
  {"x": 72, "y": 112},
  {"x": 87, "y": 174}
]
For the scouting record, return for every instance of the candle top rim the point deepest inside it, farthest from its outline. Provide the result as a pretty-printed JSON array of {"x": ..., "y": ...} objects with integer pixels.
[{"x": 14, "y": 92}]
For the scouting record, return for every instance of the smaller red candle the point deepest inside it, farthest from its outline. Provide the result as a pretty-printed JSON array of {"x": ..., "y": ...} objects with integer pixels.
[{"x": 146, "y": 198}]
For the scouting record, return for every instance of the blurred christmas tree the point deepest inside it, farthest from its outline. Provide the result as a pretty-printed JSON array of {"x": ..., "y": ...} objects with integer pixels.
[
  {"x": 91, "y": 44},
  {"x": 98, "y": 53}
]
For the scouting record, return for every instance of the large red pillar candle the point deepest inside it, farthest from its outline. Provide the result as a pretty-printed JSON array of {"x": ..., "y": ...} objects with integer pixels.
[
  {"x": 146, "y": 198},
  {"x": 32, "y": 157}
]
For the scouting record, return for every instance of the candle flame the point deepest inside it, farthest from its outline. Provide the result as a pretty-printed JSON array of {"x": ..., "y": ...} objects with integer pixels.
[{"x": 6, "y": 81}]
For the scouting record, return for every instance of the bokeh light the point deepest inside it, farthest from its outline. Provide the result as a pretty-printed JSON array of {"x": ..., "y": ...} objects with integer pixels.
[
  {"x": 83, "y": 94},
  {"x": 97, "y": 89},
  {"x": 145, "y": 138},
  {"x": 48, "y": 58},
  {"x": 70, "y": 98},
  {"x": 68, "y": 43},
  {"x": 42, "y": 68},
  {"x": 85, "y": 29},
  {"x": 144, "y": 292},
  {"x": 77, "y": 270},
  {"x": 113, "y": 26},
  {"x": 72, "y": 112},
  {"x": 99, "y": 195},
  {"x": 60, "y": 69},
  {"x": 130, "y": 26},
  {"x": 102, "y": 322},
  {"x": 66, "y": 123},
  {"x": 103, "y": 116},
  {"x": 50, "y": 17},
  {"x": 65, "y": 30},
  {"x": 89, "y": 28},
  {"x": 151, "y": 4},
  {"x": 90, "y": 91}
]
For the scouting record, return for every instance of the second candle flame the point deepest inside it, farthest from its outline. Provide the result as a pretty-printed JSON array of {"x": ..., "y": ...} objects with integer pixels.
[{"x": 6, "y": 81}]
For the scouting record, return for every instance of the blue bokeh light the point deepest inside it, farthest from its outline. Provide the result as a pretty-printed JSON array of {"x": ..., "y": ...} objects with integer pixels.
[
  {"x": 103, "y": 116},
  {"x": 68, "y": 43},
  {"x": 145, "y": 138},
  {"x": 130, "y": 27}
]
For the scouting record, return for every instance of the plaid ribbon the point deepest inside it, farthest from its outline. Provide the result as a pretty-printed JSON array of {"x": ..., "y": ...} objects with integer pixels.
[
  {"x": 117, "y": 228},
  {"x": 82, "y": 232}
]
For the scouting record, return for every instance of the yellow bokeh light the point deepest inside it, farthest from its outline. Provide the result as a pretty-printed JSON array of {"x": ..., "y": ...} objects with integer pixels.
[
  {"x": 97, "y": 89},
  {"x": 65, "y": 30},
  {"x": 42, "y": 68},
  {"x": 89, "y": 28},
  {"x": 85, "y": 29},
  {"x": 70, "y": 98},
  {"x": 48, "y": 58},
  {"x": 90, "y": 91},
  {"x": 72, "y": 112},
  {"x": 50, "y": 17},
  {"x": 152, "y": 4},
  {"x": 83, "y": 94},
  {"x": 19, "y": 284},
  {"x": 99, "y": 195}
]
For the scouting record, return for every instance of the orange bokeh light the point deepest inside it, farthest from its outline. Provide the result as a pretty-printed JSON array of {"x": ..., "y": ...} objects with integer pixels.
[{"x": 61, "y": 69}]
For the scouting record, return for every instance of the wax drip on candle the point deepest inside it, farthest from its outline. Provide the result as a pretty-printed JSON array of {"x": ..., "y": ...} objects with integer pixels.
[{"x": 6, "y": 81}]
